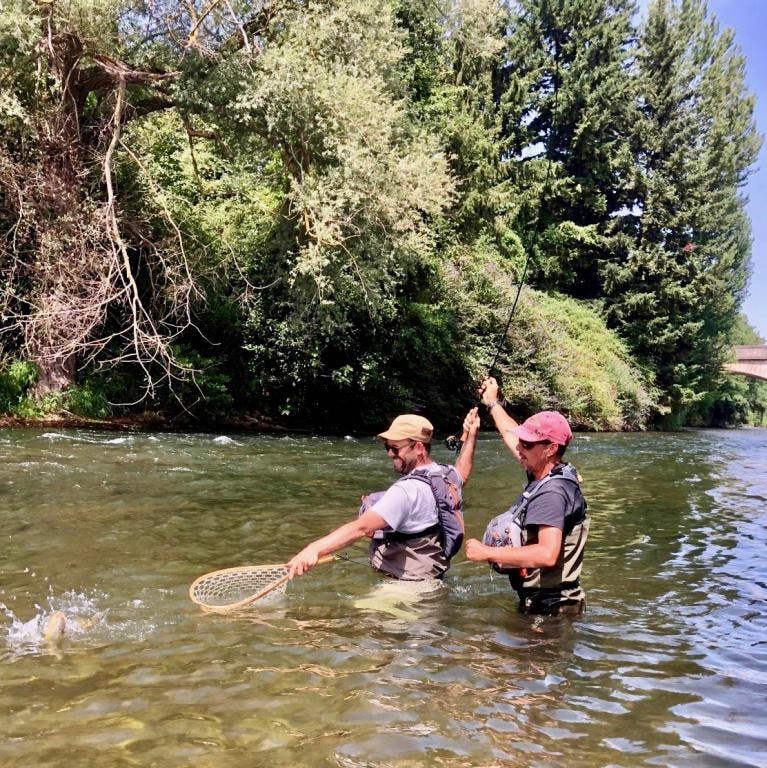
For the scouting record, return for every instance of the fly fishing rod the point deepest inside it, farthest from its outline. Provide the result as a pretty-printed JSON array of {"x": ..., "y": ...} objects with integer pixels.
[{"x": 452, "y": 442}]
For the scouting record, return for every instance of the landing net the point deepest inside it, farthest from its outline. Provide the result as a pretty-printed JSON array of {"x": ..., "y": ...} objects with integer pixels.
[
  {"x": 234, "y": 588},
  {"x": 231, "y": 588}
]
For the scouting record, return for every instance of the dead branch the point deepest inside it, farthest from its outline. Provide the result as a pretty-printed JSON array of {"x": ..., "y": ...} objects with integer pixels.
[
  {"x": 120, "y": 71},
  {"x": 77, "y": 282}
]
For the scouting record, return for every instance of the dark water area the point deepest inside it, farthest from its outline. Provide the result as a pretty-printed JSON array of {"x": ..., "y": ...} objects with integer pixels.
[{"x": 668, "y": 667}]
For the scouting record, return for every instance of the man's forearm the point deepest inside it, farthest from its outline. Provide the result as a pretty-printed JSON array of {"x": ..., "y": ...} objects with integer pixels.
[
  {"x": 543, "y": 554},
  {"x": 530, "y": 556},
  {"x": 465, "y": 461},
  {"x": 504, "y": 424},
  {"x": 341, "y": 537}
]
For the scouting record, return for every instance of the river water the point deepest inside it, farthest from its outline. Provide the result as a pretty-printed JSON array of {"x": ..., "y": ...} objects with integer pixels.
[{"x": 667, "y": 668}]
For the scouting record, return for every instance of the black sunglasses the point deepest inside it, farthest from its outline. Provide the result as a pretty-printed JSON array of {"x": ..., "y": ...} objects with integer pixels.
[
  {"x": 528, "y": 445},
  {"x": 395, "y": 449}
]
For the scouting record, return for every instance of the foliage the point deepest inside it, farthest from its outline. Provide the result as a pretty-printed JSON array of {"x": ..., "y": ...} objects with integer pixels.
[
  {"x": 361, "y": 183},
  {"x": 735, "y": 399},
  {"x": 675, "y": 294},
  {"x": 92, "y": 259},
  {"x": 85, "y": 401},
  {"x": 559, "y": 353},
  {"x": 322, "y": 208},
  {"x": 569, "y": 105},
  {"x": 16, "y": 378}
]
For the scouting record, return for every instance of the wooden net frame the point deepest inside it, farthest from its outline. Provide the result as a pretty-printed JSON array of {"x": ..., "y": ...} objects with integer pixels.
[{"x": 233, "y": 589}]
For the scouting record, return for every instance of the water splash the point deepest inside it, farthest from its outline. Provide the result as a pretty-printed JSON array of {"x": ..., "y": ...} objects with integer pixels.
[
  {"x": 224, "y": 440},
  {"x": 63, "y": 622}
]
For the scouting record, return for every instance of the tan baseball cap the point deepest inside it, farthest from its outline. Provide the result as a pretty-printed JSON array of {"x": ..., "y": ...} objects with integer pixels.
[{"x": 409, "y": 427}]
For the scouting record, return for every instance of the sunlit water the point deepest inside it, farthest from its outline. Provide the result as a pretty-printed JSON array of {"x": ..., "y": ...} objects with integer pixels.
[{"x": 667, "y": 668}]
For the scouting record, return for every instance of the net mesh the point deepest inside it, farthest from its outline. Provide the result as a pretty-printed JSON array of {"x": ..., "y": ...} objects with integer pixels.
[{"x": 233, "y": 585}]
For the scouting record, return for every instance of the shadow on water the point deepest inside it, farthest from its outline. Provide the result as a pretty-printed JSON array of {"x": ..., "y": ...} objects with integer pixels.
[{"x": 667, "y": 667}]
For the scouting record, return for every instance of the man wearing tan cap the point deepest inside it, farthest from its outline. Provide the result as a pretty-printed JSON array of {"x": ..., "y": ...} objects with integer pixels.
[
  {"x": 540, "y": 540},
  {"x": 403, "y": 523}
]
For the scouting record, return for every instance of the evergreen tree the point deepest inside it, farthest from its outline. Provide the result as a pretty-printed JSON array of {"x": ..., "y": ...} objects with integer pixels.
[
  {"x": 676, "y": 293},
  {"x": 455, "y": 52},
  {"x": 568, "y": 105}
]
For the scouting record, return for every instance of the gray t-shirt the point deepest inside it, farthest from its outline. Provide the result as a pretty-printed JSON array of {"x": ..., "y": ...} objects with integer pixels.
[
  {"x": 556, "y": 505},
  {"x": 409, "y": 506}
]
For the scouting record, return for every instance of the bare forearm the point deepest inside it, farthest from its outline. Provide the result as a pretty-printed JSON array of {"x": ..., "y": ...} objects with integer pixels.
[
  {"x": 504, "y": 424},
  {"x": 465, "y": 461},
  {"x": 531, "y": 556},
  {"x": 339, "y": 538},
  {"x": 542, "y": 554}
]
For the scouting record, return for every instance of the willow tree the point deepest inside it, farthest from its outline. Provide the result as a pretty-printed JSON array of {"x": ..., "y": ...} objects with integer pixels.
[{"x": 89, "y": 272}]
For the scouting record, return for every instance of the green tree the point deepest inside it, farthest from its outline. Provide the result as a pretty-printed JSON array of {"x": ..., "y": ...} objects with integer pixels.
[
  {"x": 676, "y": 293},
  {"x": 734, "y": 399},
  {"x": 568, "y": 106},
  {"x": 360, "y": 182},
  {"x": 94, "y": 266}
]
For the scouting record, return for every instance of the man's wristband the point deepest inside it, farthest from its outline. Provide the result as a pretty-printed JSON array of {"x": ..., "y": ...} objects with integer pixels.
[{"x": 492, "y": 405}]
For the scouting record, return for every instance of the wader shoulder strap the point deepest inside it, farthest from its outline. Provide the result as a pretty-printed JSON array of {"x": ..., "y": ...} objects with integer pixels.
[{"x": 520, "y": 513}]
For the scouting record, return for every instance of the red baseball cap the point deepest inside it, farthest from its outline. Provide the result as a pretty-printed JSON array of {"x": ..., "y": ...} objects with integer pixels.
[{"x": 546, "y": 425}]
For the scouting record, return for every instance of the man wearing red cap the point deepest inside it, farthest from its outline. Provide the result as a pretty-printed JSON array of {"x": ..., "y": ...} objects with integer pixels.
[
  {"x": 540, "y": 541},
  {"x": 403, "y": 522}
]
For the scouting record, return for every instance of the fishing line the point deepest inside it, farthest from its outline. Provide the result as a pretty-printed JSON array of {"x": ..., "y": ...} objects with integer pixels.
[
  {"x": 502, "y": 342},
  {"x": 453, "y": 443},
  {"x": 347, "y": 559}
]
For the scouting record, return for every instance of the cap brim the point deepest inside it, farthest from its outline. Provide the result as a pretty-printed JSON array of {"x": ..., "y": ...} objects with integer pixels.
[
  {"x": 392, "y": 434},
  {"x": 527, "y": 434}
]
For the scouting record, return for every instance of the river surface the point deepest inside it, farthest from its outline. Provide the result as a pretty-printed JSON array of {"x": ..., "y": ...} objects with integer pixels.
[{"x": 668, "y": 667}]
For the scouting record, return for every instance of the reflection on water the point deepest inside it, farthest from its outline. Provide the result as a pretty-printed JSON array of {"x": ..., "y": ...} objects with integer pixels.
[{"x": 667, "y": 668}]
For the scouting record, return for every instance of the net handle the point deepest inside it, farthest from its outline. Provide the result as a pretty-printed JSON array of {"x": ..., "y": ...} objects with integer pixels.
[
  {"x": 246, "y": 601},
  {"x": 278, "y": 583}
]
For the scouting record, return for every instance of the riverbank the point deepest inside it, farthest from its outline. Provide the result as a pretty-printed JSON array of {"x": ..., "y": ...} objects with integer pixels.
[{"x": 153, "y": 421}]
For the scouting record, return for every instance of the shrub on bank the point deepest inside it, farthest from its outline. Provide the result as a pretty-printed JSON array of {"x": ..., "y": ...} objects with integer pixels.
[
  {"x": 16, "y": 377},
  {"x": 559, "y": 353}
]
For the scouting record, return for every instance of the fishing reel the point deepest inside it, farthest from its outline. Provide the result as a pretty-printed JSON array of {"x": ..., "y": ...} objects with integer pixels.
[{"x": 453, "y": 443}]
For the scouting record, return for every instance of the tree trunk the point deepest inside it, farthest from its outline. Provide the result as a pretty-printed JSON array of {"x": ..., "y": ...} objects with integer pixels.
[{"x": 56, "y": 373}]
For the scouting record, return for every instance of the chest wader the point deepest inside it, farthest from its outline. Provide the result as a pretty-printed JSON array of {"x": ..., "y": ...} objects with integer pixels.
[
  {"x": 423, "y": 554},
  {"x": 555, "y": 590}
]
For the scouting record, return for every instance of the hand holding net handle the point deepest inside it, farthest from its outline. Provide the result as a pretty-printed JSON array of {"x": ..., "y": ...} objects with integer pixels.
[
  {"x": 222, "y": 591},
  {"x": 279, "y": 582}
]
